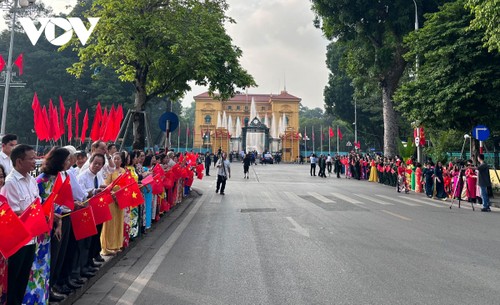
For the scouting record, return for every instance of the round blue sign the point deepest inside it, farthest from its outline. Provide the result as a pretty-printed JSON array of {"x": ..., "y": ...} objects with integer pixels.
[
  {"x": 173, "y": 121},
  {"x": 481, "y": 132}
]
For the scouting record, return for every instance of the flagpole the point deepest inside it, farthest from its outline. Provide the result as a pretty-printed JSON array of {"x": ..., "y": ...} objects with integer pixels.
[
  {"x": 178, "y": 136},
  {"x": 187, "y": 137},
  {"x": 321, "y": 140},
  {"x": 338, "y": 152},
  {"x": 329, "y": 140},
  {"x": 305, "y": 139},
  {"x": 313, "y": 148}
]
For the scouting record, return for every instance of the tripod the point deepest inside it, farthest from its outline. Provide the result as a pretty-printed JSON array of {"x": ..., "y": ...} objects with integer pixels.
[{"x": 459, "y": 185}]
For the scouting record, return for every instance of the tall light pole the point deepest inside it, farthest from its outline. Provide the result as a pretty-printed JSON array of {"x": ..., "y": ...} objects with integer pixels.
[
  {"x": 419, "y": 155},
  {"x": 355, "y": 126},
  {"x": 12, "y": 5}
]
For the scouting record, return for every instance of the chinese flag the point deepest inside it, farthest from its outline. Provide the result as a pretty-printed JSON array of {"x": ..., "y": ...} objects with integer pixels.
[
  {"x": 95, "y": 131},
  {"x": 124, "y": 179},
  {"x": 48, "y": 208},
  {"x": 85, "y": 126},
  {"x": 339, "y": 133},
  {"x": 62, "y": 112},
  {"x": 148, "y": 180},
  {"x": 83, "y": 223},
  {"x": 34, "y": 219},
  {"x": 63, "y": 191},
  {"x": 129, "y": 196},
  {"x": 69, "y": 122},
  {"x": 19, "y": 63},
  {"x": 12, "y": 231},
  {"x": 77, "y": 119},
  {"x": 100, "y": 206},
  {"x": 331, "y": 133},
  {"x": 2, "y": 62},
  {"x": 158, "y": 170}
]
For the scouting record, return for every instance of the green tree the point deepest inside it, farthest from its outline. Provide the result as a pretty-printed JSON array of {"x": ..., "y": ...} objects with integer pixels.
[
  {"x": 160, "y": 46},
  {"x": 373, "y": 31},
  {"x": 487, "y": 18},
  {"x": 458, "y": 81}
]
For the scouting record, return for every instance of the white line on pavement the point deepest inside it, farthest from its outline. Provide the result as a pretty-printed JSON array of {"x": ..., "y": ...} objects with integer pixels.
[
  {"x": 399, "y": 201},
  {"x": 371, "y": 199},
  {"x": 423, "y": 202},
  {"x": 321, "y": 197},
  {"x": 298, "y": 228},
  {"x": 346, "y": 198},
  {"x": 134, "y": 290},
  {"x": 396, "y": 215}
]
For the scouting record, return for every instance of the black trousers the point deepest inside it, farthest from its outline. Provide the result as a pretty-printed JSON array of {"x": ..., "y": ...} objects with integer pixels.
[
  {"x": 19, "y": 266},
  {"x": 313, "y": 169},
  {"x": 67, "y": 267},
  {"x": 58, "y": 250},
  {"x": 329, "y": 167},
  {"x": 207, "y": 168},
  {"x": 95, "y": 244},
  {"x": 221, "y": 183}
]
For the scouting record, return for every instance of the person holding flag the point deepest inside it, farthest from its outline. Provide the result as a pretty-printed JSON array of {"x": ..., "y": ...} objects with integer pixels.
[{"x": 21, "y": 190}]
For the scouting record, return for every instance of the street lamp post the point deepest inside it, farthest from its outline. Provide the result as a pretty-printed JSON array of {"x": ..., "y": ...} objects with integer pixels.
[{"x": 12, "y": 5}]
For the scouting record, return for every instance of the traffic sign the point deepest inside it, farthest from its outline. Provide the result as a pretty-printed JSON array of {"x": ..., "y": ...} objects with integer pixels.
[
  {"x": 173, "y": 121},
  {"x": 481, "y": 132},
  {"x": 417, "y": 141},
  {"x": 348, "y": 143}
]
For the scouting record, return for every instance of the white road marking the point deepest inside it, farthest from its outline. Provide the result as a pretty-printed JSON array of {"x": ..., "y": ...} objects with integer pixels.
[
  {"x": 346, "y": 198},
  {"x": 396, "y": 199},
  {"x": 423, "y": 202},
  {"x": 134, "y": 290},
  {"x": 372, "y": 199},
  {"x": 298, "y": 228},
  {"x": 321, "y": 197},
  {"x": 396, "y": 215}
]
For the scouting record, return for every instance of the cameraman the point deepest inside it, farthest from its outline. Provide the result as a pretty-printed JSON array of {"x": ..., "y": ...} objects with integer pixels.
[{"x": 484, "y": 181}]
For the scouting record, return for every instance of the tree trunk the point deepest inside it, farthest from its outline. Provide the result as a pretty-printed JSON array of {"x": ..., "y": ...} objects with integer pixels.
[
  {"x": 389, "y": 82},
  {"x": 390, "y": 122},
  {"x": 138, "y": 118}
]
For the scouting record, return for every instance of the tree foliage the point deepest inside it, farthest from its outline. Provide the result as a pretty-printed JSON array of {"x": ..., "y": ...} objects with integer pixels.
[
  {"x": 487, "y": 18},
  {"x": 160, "y": 46},
  {"x": 458, "y": 82},
  {"x": 373, "y": 31}
]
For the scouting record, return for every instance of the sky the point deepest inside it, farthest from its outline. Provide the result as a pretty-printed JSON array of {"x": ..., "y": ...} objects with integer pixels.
[{"x": 280, "y": 45}]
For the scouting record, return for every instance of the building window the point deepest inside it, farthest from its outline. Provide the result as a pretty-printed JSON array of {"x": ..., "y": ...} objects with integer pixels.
[
  {"x": 208, "y": 119},
  {"x": 237, "y": 107},
  {"x": 246, "y": 108},
  {"x": 229, "y": 107},
  {"x": 263, "y": 108}
]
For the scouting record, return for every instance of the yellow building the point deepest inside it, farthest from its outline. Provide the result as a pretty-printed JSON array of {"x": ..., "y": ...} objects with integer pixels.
[{"x": 274, "y": 126}]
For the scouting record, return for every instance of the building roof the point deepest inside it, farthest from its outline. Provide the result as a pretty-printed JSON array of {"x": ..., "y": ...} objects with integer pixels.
[{"x": 257, "y": 97}]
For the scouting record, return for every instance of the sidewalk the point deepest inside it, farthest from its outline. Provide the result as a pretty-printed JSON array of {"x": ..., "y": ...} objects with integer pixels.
[{"x": 157, "y": 228}]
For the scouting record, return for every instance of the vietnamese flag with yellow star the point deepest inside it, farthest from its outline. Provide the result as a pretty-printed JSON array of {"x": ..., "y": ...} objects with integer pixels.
[
  {"x": 34, "y": 219},
  {"x": 83, "y": 223},
  {"x": 100, "y": 206},
  {"x": 129, "y": 196},
  {"x": 13, "y": 234}
]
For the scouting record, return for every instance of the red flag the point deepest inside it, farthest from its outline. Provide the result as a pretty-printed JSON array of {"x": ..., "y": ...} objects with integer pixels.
[
  {"x": 69, "y": 122},
  {"x": 38, "y": 120},
  {"x": 14, "y": 234},
  {"x": 52, "y": 126},
  {"x": 123, "y": 180},
  {"x": 34, "y": 219},
  {"x": 129, "y": 196},
  {"x": 119, "y": 118},
  {"x": 331, "y": 133},
  {"x": 2, "y": 62},
  {"x": 95, "y": 131},
  {"x": 110, "y": 125},
  {"x": 48, "y": 208},
  {"x": 104, "y": 123},
  {"x": 64, "y": 194},
  {"x": 339, "y": 133},
  {"x": 19, "y": 63},
  {"x": 46, "y": 124},
  {"x": 62, "y": 112},
  {"x": 85, "y": 126},
  {"x": 83, "y": 223},
  {"x": 77, "y": 119},
  {"x": 100, "y": 206},
  {"x": 148, "y": 180}
]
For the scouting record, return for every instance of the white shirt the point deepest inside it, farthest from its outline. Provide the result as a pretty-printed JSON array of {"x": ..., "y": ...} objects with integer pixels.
[
  {"x": 106, "y": 169},
  {"x": 86, "y": 181},
  {"x": 20, "y": 192},
  {"x": 223, "y": 171},
  {"x": 329, "y": 159},
  {"x": 6, "y": 162}
]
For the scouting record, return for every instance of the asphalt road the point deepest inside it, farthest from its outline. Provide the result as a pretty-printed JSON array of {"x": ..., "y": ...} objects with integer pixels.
[{"x": 284, "y": 237}]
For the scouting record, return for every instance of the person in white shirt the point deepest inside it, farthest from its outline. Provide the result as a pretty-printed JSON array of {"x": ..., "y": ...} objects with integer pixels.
[
  {"x": 329, "y": 164},
  {"x": 223, "y": 173},
  {"x": 92, "y": 182},
  {"x": 99, "y": 147},
  {"x": 21, "y": 190},
  {"x": 9, "y": 141}
]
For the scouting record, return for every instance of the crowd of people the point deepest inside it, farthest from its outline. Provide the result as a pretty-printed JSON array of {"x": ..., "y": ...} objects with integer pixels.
[
  {"x": 456, "y": 180},
  {"x": 54, "y": 264}
]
